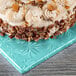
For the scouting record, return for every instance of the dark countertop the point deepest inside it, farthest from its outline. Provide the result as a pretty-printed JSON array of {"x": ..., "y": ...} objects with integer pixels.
[{"x": 62, "y": 64}]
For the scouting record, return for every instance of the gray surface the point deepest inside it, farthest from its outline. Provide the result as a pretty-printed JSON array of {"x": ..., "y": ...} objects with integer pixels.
[{"x": 62, "y": 64}]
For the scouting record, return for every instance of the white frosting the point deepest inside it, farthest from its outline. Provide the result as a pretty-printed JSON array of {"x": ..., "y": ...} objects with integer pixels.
[
  {"x": 58, "y": 14},
  {"x": 15, "y": 18},
  {"x": 2, "y": 15},
  {"x": 4, "y": 5},
  {"x": 33, "y": 14},
  {"x": 62, "y": 15}
]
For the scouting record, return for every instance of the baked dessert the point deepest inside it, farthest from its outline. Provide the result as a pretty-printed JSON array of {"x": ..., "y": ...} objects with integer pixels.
[{"x": 36, "y": 19}]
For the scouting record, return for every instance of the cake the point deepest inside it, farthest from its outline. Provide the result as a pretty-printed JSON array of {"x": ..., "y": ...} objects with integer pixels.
[{"x": 36, "y": 19}]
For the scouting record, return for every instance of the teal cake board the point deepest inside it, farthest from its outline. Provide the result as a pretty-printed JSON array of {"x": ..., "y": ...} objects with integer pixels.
[{"x": 25, "y": 55}]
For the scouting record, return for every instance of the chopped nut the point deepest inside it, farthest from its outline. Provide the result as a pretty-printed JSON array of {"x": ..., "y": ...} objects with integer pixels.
[
  {"x": 39, "y": 0},
  {"x": 15, "y": 7},
  {"x": 52, "y": 7},
  {"x": 67, "y": 7}
]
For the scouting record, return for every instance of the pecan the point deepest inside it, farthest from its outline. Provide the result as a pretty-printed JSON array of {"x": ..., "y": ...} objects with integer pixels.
[
  {"x": 2, "y": 34},
  {"x": 1, "y": 21},
  {"x": 18, "y": 36},
  {"x": 11, "y": 36}
]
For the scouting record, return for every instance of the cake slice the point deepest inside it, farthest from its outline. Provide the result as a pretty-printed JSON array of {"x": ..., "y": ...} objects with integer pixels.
[{"x": 36, "y": 19}]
